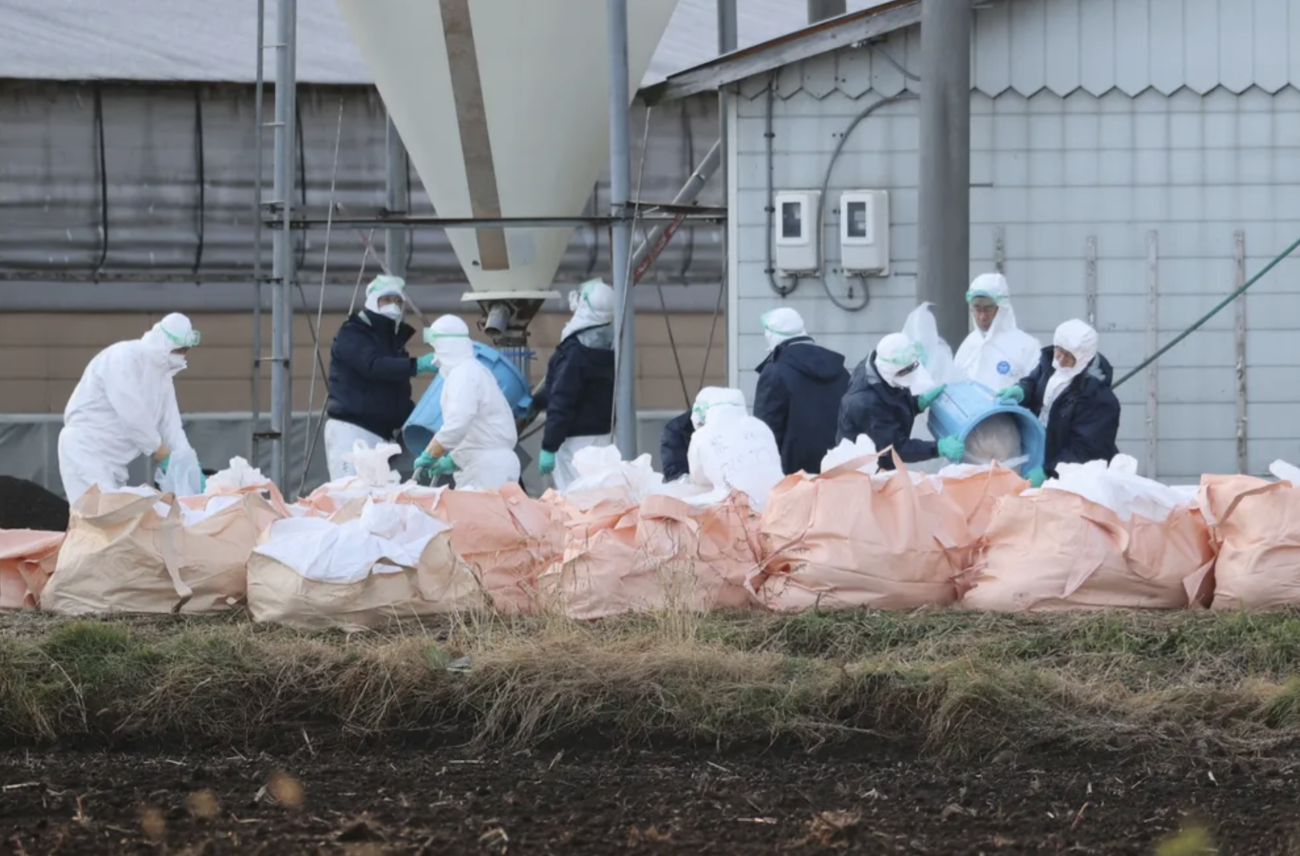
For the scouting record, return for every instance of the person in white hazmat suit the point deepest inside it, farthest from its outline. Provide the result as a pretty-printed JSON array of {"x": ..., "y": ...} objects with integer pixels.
[
  {"x": 731, "y": 450},
  {"x": 125, "y": 406},
  {"x": 997, "y": 353},
  {"x": 478, "y": 436},
  {"x": 579, "y": 391}
]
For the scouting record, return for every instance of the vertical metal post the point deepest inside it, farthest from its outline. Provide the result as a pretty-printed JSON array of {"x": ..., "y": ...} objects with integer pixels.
[
  {"x": 1090, "y": 278},
  {"x": 1239, "y": 279},
  {"x": 728, "y": 40},
  {"x": 255, "y": 381},
  {"x": 396, "y": 241},
  {"x": 282, "y": 271},
  {"x": 820, "y": 10},
  {"x": 1153, "y": 342},
  {"x": 943, "y": 266},
  {"x": 620, "y": 185}
]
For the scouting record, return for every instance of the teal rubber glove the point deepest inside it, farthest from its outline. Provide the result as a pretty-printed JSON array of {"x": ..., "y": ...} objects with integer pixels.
[
  {"x": 546, "y": 463},
  {"x": 1012, "y": 393},
  {"x": 443, "y": 466},
  {"x": 928, "y": 398},
  {"x": 162, "y": 465},
  {"x": 1036, "y": 477},
  {"x": 424, "y": 468},
  {"x": 952, "y": 449},
  {"x": 203, "y": 483},
  {"x": 426, "y": 365}
]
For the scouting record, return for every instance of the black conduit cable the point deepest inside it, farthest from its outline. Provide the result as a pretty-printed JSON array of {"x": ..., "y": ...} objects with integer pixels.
[
  {"x": 301, "y": 240},
  {"x": 201, "y": 172},
  {"x": 769, "y": 139},
  {"x": 103, "y": 182},
  {"x": 826, "y": 183},
  {"x": 410, "y": 231}
]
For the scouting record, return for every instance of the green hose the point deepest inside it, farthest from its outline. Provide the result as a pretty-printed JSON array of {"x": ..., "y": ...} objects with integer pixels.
[{"x": 1215, "y": 311}]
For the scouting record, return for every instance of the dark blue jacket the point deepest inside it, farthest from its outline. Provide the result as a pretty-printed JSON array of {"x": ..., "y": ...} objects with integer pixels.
[
  {"x": 579, "y": 391},
  {"x": 370, "y": 374},
  {"x": 674, "y": 445},
  {"x": 885, "y": 414},
  {"x": 1084, "y": 421},
  {"x": 800, "y": 387}
]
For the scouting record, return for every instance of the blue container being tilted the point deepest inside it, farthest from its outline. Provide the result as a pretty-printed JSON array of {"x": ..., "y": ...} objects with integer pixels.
[
  {"x": 426, "y": 419},
  {"x": 966, "y": 404}
]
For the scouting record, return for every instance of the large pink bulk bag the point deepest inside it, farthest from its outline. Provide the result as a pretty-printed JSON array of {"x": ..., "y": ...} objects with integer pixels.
[
  {"x": 846, "y": 539},
  {"x": 27, "y": 558},
  {"x": 1256, "y": 529},
  {"x": 1056, "y": 550}
]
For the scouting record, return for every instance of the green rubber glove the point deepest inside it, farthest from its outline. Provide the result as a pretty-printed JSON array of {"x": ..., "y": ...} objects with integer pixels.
[
  {"x": 426, "y": 365},
  {"x": 925, "y": 400},
  {"x": 1012, "y": 393},
  {"x": 444, "y": 466},
  {"x": 952, "y": 449},
  {"x": 1036, "y": 477},
  {"x": 424, "y": 468},
  {"x": 162, "y": 465},
  {"x": 546, "y": 463},
  {"x": 203, "y": 482}
]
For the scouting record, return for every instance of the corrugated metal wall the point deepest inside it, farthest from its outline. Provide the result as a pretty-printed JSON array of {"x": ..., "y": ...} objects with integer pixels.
[
  {"x": 168, "y": 196},
  {"x": 1107, "y": 167}
]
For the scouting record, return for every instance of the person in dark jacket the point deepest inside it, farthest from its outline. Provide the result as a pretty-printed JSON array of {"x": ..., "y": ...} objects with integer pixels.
[
  {"x": 800, "y": 386},
  {"x": 579, "y": 391},
  {"x": 674, "y": 446},
  {"x": 1070, "y": 393},
  {"x": 881, "y": 405},
  {"x": 370, "y": 375}
]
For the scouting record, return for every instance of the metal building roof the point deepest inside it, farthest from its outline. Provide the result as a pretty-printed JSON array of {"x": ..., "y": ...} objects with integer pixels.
[{"x": 215, "y": 40}]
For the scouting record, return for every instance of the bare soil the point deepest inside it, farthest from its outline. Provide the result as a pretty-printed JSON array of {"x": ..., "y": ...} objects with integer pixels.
[{"x": 591, "y": 801}]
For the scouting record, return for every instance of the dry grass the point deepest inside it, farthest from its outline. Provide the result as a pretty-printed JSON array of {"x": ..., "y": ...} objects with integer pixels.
[{"x": 961, "y": 684}]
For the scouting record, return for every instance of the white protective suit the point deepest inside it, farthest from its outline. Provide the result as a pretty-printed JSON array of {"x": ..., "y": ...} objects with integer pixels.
[
  {"x": 1080, "y": 340},
  {"x": 593, "y": 317},
  {"x": 1005, "y": 354},
  {"x": 478, "y": 428},
  {"x": 340, "y": 436},
  {"x": 124, "y": 407},
  {"x": 731, "y": 450}
]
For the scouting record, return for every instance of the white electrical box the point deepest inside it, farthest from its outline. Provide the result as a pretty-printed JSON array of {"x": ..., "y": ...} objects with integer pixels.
[
  {"x": 864, "y": 232},
  {"x": 798, "y": 242}
]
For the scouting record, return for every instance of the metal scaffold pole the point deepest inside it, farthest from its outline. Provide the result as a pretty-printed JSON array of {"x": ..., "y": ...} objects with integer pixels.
[
  {"x": 282, "y": 272},
  {"x": 620, "y": 182},
  {"x": 943, "y": 268}
]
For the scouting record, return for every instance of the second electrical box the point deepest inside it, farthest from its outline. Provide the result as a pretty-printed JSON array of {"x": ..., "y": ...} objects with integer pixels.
[
  {"x": 864, "y": 232},
  {"x": 798, "y": 244}
]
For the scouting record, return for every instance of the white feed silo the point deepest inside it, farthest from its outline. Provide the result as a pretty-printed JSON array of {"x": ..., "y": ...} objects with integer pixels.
[{"x": 503, "y": 106}]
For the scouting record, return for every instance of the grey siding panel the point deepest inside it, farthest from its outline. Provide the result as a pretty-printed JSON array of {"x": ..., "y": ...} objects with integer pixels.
[{"x": 1050, "y": 172}]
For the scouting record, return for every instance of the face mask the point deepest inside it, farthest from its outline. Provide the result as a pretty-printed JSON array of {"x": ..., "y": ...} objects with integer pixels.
[
  {"x": 391, "y": 310},
  {"x": 176, "y": 363}
]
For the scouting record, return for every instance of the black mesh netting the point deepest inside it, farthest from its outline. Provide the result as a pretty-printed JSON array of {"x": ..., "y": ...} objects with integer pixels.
[{"x": 27, "y": 505}]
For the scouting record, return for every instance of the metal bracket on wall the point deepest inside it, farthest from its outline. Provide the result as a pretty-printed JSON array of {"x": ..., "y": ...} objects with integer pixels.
[
  {"x": 1090, "y": 279},
  {"x": 1239, "y": 279},
  {"x": 1153, "y": 342},
  {"x": 999, "y": 251}
]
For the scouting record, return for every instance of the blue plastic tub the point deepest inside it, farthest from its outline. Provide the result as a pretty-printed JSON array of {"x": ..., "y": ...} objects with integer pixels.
[
  {"x": 965, "y": 404},
  {"x": 426, "y": 419}
]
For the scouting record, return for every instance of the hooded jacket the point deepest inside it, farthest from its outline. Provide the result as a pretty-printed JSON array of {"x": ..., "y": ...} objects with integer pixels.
[
  {"x": 579, "y": 390},
  {"x": 884, "y": 413},
  {"x": 800, "y": 387},
  {"x": 674, "y": 445},
  {"x": 370, "y": 374},
  {"x": 1084, "y": 420}
]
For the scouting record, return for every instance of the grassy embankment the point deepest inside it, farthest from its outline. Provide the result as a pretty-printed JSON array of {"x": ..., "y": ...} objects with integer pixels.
[{"x": 962, "y": 685}]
